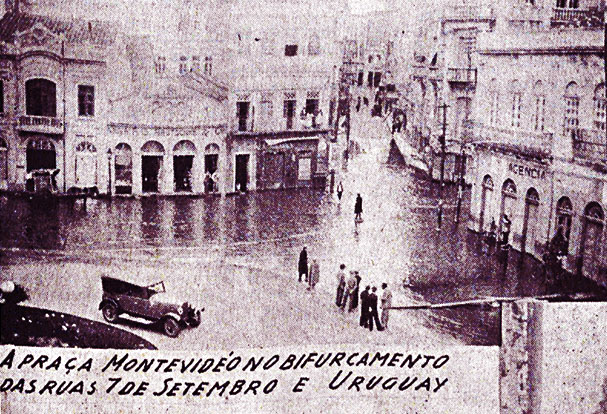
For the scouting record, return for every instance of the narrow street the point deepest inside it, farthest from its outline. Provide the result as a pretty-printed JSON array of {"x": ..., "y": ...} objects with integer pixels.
[{"x": 237, "y": 256}]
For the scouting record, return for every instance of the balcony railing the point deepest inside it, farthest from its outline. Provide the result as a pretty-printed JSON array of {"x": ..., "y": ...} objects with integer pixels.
[
  {"x": 462, "y": 75},
  {"x": 535, "y": 144},
  {"x": 43, "y": 124},
  {"x": 468, "y": 12},
  {"x": 590, "y": 145},
  {"x": 577, "y": 17}
]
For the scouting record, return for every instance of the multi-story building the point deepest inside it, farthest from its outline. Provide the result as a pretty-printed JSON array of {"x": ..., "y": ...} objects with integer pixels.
[
  {"x": 537, "y": 127},
  {"x": 443, "y": 81},
  {"x": 85, "y": 101},
  {"x": 282, "y": 69},
  {"x": 53, "y": 99}
]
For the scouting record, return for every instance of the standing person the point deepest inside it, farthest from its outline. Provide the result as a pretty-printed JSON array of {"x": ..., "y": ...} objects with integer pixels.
[
  {"x": 358, "y": 104},
  {"x": 386, "y": 303},
  {"x": 354, "y": 303},
  {"x": 341, "y": 285},
  {"x": 373, "y": 315},
  {"x": 349, "y": 292},
  {"x": 506, "y": 223},
  {"x": 364, "y": 307},
  {"x": 314, "y": 275},
  {"x": 358, "y": 207},
  {"x": 340, "y": 190},
  {"x": 303, "y": 264}
]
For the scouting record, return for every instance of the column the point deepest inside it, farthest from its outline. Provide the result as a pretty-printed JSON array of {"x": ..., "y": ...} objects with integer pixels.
[
  {"x": 167, "y": 186},
  {"x": 136, "y": 172}
]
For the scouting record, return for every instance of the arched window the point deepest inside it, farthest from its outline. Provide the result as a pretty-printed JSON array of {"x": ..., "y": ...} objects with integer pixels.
[
  {"x": 3, "y": 160},
  {"x": 40, "y": 98},
  {"x": 184, "y": 147},
  {"x": 516, "y": 94},
  {"x": 532, "y": 196},
  {"x": 600, "y": 108},
  {"x": 211, "y": 149},
  {"x": 564, "y": 215},
  {"x": 494, "y": 102},
  {"x": 572, "y": 107},
  {"x": 488, "y": 182},
  {"x": 509, "y": 188},
  {"x": 594, "y": 211},
  {"x": 86, "y": 165},
  {"x": 123, "y": 169},
  {"x": 539, "y": 110},
  {"x": 152, "y": 147}
]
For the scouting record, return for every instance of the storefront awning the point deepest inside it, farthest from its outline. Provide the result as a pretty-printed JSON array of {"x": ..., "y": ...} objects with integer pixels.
[{"x": 278, "y": 141}]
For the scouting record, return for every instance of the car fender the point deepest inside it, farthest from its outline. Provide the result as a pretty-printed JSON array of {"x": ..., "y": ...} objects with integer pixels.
[
  {"x": 106, "y": 301},
  {"x": 173, "y": 315}
]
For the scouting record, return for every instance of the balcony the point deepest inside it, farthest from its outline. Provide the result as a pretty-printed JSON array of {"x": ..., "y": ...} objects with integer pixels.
[
  {"x": 476, "y": 12},
  {"x": 590, "y": 145},
  {"x": 462, "y": 75},
  {"x": 576, "y": 18},
  {"x": 42, "y": 124},
  {"x": 536, "y": 145}
]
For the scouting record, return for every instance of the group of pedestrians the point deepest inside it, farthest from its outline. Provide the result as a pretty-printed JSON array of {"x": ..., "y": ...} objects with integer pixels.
[
  {"x": 310, "y": 274},
  {"x": 348, "y": 295},
  {"x": 347, "y": 299},
  {"x": 490, "y": 238}
]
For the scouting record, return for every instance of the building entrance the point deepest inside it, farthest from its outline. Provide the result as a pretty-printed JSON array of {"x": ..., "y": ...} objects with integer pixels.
[
  {"x": 242, "y": 172},
  {"x": 182, "y": 167},
  {"x": 150, "y": 173},
  {"x": 40, "y": 155}
]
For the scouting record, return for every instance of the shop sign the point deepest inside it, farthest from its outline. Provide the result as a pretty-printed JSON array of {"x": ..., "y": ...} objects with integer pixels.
[{"x": 526, "y": 171}]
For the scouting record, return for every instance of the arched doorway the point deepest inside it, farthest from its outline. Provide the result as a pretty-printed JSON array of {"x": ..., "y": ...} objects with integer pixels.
[
  {"x": 86, "y": 165},
  {"x": 564, "y": 216},
  {"x": 40, "y": 155},
  {"x": 593, "y": 223},
  {"x": 151, "y": 166},
  {"x": 123, "y": 169},
  {"x": 486, "y": 194},
  {"x": 532, "y": 202},
  {"x": 183, "y": 161},
  {"x": 508, "y": 202},
  {"x": 211, "y": 168}
]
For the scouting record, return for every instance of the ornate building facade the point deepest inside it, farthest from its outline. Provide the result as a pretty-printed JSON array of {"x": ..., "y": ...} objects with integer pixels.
[{"x": 537, "y": 127}]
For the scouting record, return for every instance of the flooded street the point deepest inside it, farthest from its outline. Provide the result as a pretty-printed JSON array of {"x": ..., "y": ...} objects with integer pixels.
[{"x": 265, "y": 231}]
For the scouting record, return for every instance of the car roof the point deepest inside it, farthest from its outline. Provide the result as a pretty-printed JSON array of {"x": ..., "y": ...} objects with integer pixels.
[{"x": 139, "y": 281}]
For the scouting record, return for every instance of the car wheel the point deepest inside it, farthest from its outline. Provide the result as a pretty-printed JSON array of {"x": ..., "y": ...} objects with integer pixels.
[
  {"x": 195, "y": 319},
  {"x": 171, "y": 327},
  {"x": 110, "y": 312}
]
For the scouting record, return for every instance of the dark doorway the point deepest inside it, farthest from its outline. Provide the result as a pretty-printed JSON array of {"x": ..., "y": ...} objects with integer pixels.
[
  {"x": 370, "y": 79},
  {"x": 40, "y": 155},
  {"x": 274, "y": 170},
  {"x": 150, "y": 171},
  {"x": 242, "y": 109},
  {"x": 210, "y": 168},
  {"x": 361, "y": 76},
  {"x": 182, "y": 167},
  {"x": 242, "y": 172},
  {"x": 289, "y": 112},
  {"x": 377, "y": 79}
]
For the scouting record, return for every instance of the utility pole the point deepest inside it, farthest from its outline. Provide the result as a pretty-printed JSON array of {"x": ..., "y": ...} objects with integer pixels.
[
  {"x": 442, "y": 140},
  {"x": 348, "y": 122}
]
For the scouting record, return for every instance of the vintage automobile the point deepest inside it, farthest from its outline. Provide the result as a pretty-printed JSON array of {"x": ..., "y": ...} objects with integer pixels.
[{"x": 146, "y": 301}]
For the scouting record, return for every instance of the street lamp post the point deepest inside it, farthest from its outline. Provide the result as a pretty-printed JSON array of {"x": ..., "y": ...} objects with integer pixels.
[
  {"x": 442, "y": 140},
  {"x": 109, "y": 172}
]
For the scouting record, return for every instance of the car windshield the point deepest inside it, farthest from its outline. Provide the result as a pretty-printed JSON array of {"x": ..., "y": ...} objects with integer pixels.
[{"x": 157, "y": 288}]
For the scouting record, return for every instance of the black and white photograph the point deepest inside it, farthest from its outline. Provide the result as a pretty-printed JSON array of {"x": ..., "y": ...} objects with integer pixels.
[{"x": 303, "y": 206}]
